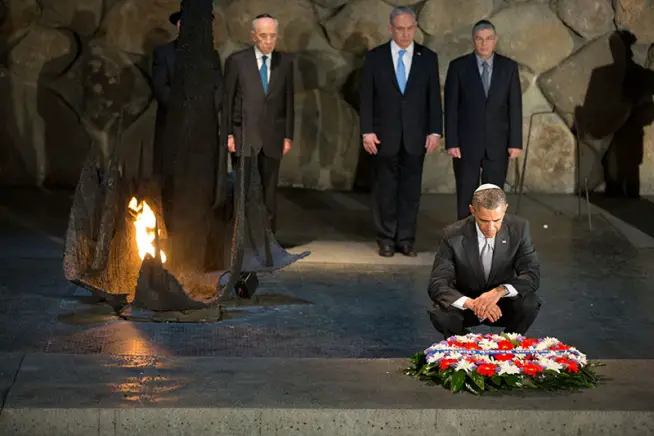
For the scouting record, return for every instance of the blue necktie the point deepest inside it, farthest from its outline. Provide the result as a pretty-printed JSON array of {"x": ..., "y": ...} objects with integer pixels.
[
  {"x": 401, "y": 72},
  {"x": 263, "y": 72}
]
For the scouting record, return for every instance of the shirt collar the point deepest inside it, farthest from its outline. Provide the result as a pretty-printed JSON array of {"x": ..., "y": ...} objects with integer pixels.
[
  {"x": 395, "y": 49},
  {"x": 489, "y": 61},
  {"x": 258, "y": 53},
  {"x": 480, "y": 235}
]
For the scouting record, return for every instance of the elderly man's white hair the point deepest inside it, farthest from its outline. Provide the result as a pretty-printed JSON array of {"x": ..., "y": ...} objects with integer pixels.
[{"x": 259, "y": 17}]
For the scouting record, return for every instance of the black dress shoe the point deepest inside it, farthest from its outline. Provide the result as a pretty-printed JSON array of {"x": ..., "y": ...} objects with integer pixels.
[
  {"x": 407, "y": 250},
  {"x": 386, "y": 251}
]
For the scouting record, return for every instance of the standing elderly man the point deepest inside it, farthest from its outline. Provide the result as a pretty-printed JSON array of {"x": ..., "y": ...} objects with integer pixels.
[
  {"x": 485, "y": 270},
  {"x": 483, "y": 115},
  {"x": 401, "y": 121},
  {"x": 258, "y": 115}
]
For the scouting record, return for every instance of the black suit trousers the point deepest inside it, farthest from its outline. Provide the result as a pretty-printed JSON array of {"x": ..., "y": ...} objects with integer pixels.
[
  {"x": 518, "y": 314},
  {"x": 397, "y": 182},
  {"x": 268, "y": 169},
  {"x": 466, "y": 173}
]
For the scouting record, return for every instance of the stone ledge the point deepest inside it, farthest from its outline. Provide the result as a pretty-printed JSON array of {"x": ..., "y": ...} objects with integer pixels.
[
  {"x": 309, "y": 422},
  {"x": 59, "y": 394}
]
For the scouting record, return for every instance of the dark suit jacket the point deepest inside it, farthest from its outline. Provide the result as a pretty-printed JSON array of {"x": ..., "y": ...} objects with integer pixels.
[
  {"x": 457, "y": 269},
  {"x": 400, "y": 119},
  {"x": 477, "y": 124},
  {"x": 163, "y": 71},
  {"x": 266, "y": 119}
]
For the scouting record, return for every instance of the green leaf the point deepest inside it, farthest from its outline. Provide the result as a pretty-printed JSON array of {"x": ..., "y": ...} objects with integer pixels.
[
  {"x": 473, "y": 389},
  {"x": 497, "y": 380},
  {"x": 512, "y": 380},
  {"x": 478, "y": 379},
  {"x": 458, "y": 378}
]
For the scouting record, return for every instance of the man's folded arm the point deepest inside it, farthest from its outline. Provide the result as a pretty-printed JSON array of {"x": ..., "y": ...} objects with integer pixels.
[
  {"x": 441, "y": 282},
  {"x": 526, "y": 265}
]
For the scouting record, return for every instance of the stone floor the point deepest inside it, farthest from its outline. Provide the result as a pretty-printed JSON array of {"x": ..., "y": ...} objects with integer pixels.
[
  {"x": 320, "y": 352},
  {"x": 596, "y": 287}
]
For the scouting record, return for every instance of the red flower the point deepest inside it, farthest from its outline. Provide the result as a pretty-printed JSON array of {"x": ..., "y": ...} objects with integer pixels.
[
  {"x": 559, "y": 347},
  {"x": 471, "y": 346},
  {"x": 563, "y": 360},
  {"x": 454, "y": 344},
  {"x": 504, "y": 345},
  {"x": 487, "y": 369},
  {"x": 518, "y": 363},
  {"x": 528, "y": 342},
  {"x": 531, "y": 369},
  {"x": 572, "y": 367},
  {"x": 504, "y": 357},
  {"x": 446, "y": 363}
]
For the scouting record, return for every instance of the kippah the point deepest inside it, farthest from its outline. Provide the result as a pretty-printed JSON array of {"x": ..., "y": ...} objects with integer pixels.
[{"x": 486, "y": 186}]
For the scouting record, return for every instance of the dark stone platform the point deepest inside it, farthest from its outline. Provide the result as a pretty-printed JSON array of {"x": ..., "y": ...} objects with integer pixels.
[{"x": 597, "y": 291}]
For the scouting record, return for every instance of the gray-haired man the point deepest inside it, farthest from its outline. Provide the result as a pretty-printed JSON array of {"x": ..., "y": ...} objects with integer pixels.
[
  {"x": 258, "y": 109},
  {"x": 483, "y": 115},
  {"x": 485, "y": 270},
  {"x": 401, "y": 120}
]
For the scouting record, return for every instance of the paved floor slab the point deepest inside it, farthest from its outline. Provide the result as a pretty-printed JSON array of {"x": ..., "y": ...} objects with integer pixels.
[{"x": 175, "y": 395}]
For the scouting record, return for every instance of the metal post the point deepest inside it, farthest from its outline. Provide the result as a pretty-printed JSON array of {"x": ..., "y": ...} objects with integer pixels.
[{"x": 524, "y": 162}]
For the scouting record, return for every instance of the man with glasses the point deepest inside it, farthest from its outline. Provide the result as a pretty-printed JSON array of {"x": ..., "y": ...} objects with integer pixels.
[
  {"x": 258, "y": 115},
  {"x": 483, "y": 115}
]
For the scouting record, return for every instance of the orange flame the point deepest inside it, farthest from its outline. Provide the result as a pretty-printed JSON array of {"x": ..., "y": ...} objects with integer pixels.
[{"x": 145, "y": 222}]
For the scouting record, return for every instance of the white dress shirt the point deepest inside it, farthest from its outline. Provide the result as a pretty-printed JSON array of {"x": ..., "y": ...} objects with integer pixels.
[
  {"x": 259, "y": 55},
  {"x": 480, "y": 65},
  {"x": 407, "y": 58},
  {"x": 482, "y": 241}
]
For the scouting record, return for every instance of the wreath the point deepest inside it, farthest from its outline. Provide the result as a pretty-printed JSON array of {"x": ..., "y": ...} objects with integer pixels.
[{"x": 478, "y": 363}]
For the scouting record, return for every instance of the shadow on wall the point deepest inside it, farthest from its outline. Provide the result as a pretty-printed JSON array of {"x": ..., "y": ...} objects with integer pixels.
[
  {"x": 13, "y": 166},
  {"x": 631, "y": 87},
  {"x": 351, "y": 94}
]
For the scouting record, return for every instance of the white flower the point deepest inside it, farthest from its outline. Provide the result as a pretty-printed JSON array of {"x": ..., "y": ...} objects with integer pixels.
[
  {"x": 550, "y": 342},
  {"x": 549, "y": 364},
  {"x": 507, "y": 368},
  {"x": 485, "y": 344},
  {"x": 454, "y": 355},
  {"x": 464, "y": 365},
  {"x": 431, "y": 358},
  {"x": 579, "y": 358},
  {"x": 514, "y": 336},
  {"x": 485, "y": 358}
]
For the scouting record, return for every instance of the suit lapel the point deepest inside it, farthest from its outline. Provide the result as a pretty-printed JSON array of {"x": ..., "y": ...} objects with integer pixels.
[
  {"x": 471, "y": 248},
  {"x": 254, "y": 68},
  {"x": 497, "y": 67},
  {"x": 475, "y": 75},
  {"x": 274, "y": 72},
  {"x": 388, "y": 63},
  {"x": 502, "y": 242},
  {"x": 416, "y": 64}
]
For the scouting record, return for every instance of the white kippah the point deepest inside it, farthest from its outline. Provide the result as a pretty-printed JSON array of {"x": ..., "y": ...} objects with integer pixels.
[{"x": 486, "y": 186}]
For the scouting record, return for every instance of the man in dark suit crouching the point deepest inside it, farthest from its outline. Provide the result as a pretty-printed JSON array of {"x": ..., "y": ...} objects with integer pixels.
[{"x": 486, "y": 270}]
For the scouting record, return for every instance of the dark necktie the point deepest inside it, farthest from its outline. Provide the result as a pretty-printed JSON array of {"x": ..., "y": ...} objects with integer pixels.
[
  {"x": 263, "y": 72},
  {"x": 485, "y": 77}
]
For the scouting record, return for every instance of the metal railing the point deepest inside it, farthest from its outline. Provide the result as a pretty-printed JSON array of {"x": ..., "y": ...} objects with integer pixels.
[{"x": 521, "y": 181}]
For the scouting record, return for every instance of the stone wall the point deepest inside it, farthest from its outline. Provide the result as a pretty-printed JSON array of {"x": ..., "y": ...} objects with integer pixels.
[{"x": 77, "y": 72}]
